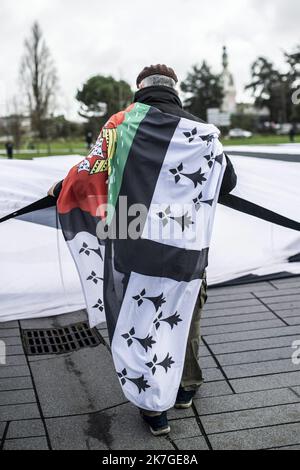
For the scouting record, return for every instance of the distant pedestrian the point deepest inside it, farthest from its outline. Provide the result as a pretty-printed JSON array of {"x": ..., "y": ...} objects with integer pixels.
[
  {"x": 292, "y": 133},
  {"x": 89, "y": 140},
  {"x": 9, "y": 149}
]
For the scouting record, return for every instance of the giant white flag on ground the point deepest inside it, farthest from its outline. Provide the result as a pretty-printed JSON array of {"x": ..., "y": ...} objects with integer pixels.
[{"x": 37, "y": 274}]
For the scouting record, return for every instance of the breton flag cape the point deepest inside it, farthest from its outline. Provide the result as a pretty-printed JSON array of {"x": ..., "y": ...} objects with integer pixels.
[
  {"x": 165, "y": 174},
  {"x": 146, "y": 278}
]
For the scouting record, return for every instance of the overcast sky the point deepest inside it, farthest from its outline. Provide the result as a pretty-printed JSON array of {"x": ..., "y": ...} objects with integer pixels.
[{"x": 120, "y": 37}]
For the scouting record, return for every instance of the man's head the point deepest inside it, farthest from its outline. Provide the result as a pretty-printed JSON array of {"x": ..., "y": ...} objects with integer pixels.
[{"x": 157, "y": 75}]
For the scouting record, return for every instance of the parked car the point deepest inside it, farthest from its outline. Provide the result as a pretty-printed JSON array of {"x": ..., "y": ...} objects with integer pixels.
[
  {"x": 284, "y": 129},
  {"x": 239, "y": 133}
]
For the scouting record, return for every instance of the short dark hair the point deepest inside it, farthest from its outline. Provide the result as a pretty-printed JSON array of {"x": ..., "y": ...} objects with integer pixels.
[{"x": 159, "y": 69}]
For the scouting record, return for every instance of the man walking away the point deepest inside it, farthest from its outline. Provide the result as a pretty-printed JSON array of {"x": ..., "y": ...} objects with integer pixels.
[
  {"x": 292, "y": 133},
  {"x": 157, "y": 88}
]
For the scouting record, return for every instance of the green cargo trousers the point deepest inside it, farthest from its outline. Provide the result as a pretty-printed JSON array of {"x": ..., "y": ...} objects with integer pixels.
[{"x": 192, "y": 374}]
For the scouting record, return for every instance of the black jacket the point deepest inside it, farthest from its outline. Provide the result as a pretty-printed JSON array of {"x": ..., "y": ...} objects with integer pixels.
[{"x": 167, "y": 100}]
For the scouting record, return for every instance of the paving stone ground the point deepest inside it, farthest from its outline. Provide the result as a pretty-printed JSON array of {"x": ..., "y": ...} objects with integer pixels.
[{"x": 250, "y": 398}]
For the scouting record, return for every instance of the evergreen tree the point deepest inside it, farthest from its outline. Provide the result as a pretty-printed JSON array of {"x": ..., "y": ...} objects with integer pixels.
[{"x": 203, "y": 90}]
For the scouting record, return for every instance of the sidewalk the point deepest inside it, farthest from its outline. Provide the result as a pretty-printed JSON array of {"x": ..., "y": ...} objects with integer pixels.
[{"x": 250, "y": 398}]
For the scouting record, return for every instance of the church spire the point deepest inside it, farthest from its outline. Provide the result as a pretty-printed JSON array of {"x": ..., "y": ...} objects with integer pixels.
[
  {"x": 225, "y": 57},
  {"x": 229, "y": 100}
]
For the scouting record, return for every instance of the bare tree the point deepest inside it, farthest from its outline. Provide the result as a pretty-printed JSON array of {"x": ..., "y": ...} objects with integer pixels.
[{"x": 38, "y": 78}]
